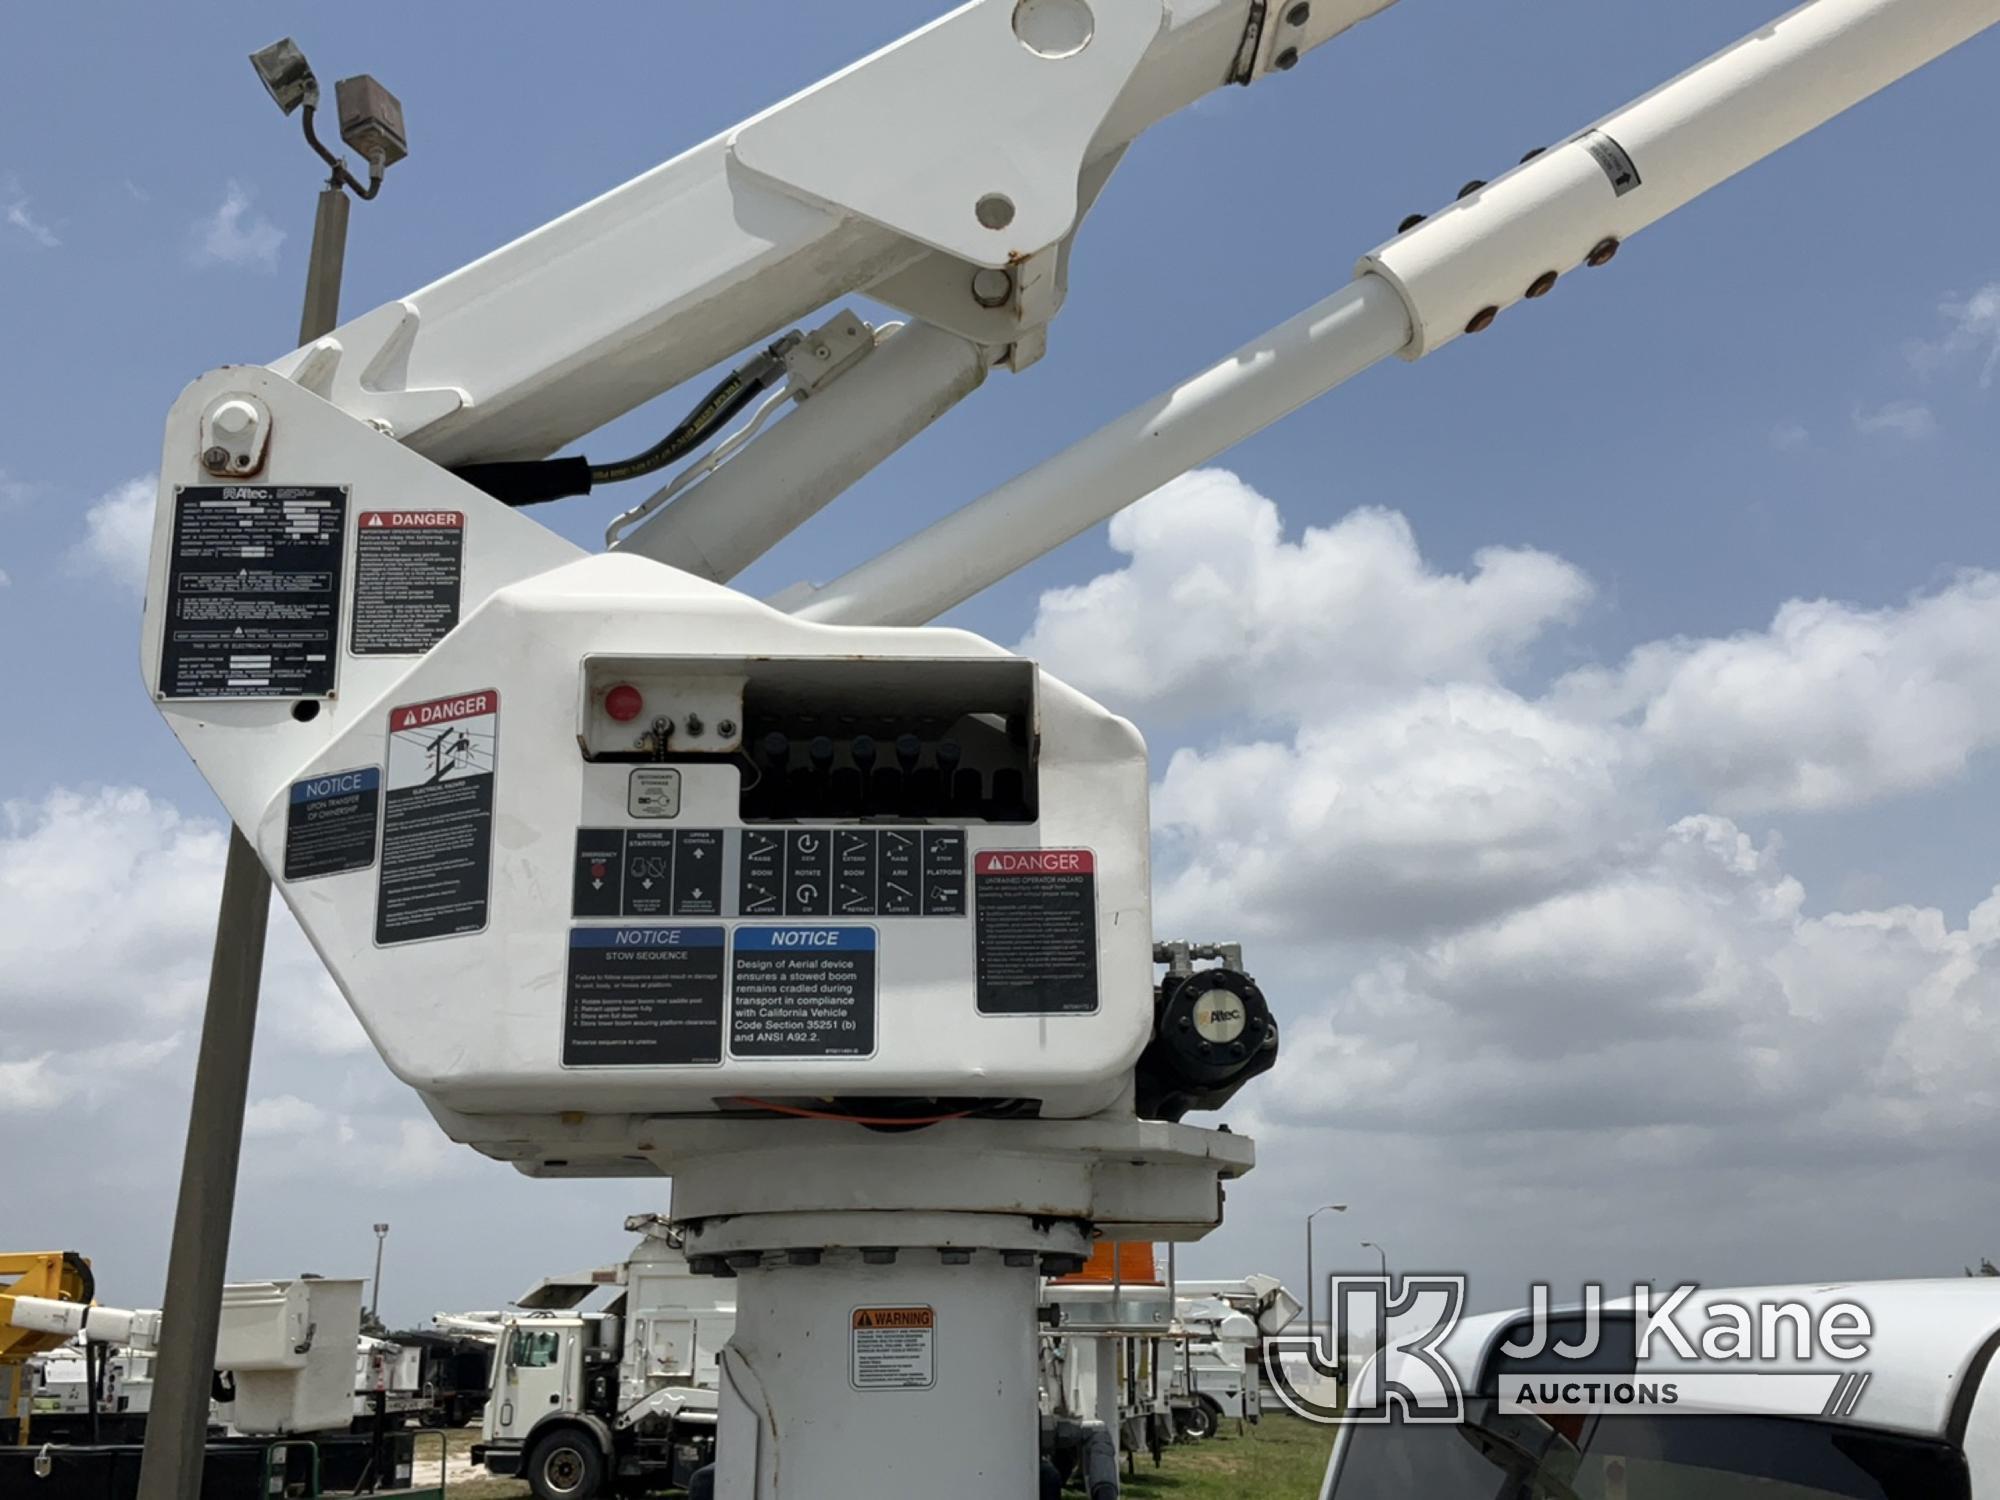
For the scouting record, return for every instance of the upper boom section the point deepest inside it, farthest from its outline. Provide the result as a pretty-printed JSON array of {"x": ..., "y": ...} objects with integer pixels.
[{"x": 973, "y": 143}]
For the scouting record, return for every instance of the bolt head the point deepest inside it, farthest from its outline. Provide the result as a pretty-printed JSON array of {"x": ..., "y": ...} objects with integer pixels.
[
  {"x": 215, "y": 459},
  {"x": 234, "y": 418},
  {"x": 1285, "y": 61},
  {"x": 991, "y": 286},
  {"x": 1299, "y": 14}
]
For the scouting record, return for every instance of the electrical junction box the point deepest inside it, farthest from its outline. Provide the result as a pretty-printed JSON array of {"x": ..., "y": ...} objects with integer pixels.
[{"x": 621, "y": 844}]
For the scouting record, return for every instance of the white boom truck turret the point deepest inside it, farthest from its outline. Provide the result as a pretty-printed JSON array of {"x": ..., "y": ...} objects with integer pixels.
[
  {"x": 625, "y": 1394},
  {"x": 840, "y": 920}
]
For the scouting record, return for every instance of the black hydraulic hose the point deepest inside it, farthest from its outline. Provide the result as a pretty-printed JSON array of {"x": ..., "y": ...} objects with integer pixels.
[
  {"x": 735, "y": 392},
  {"x": 533, "y": 481}
]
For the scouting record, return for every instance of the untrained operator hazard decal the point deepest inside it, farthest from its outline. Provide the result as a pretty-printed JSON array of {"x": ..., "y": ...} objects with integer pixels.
[
  {"x": 1035, "y": 931},
  {"x": 437, "y": 818},
  {"x": 893, "y": 1349}
]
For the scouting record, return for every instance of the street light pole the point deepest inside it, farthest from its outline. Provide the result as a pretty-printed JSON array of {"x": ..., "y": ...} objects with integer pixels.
[
  {"x": 1327, "y": 1208},
  {"x": 171, "y": 1463},
  {"x": 1371, "y": 1245},
  {"x": 375, "y": 1302}
]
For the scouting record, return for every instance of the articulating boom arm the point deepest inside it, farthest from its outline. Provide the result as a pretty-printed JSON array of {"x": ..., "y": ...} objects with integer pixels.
[
  {"x": 946, "y": 175},
  {"x": 971, "y": 146}
]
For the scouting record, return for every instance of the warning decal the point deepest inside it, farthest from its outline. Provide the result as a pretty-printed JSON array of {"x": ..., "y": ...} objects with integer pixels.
[
  {"x": 407, "y": 566},
  {"x": 437, "y": 818},
  {"x": 1035, "y": 925},
  {"x": 330, "y": 823},
  {"x": 894, "y": 1349},
  {"x": 643, "y": 995},
  {"x": 253, "y": 591},
  {"x": 802, "y": 992}
]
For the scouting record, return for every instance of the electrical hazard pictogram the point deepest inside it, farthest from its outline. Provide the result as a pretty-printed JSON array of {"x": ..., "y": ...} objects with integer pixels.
[{"x": 437, "y": 822}]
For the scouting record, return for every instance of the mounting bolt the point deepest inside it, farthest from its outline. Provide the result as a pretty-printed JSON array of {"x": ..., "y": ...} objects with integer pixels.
[
  {"x": 1472, "y": 187},
  {"x": 1017, "y": 1258},
  {"x": 726, "y": 728},
  {"x": 1542, "y": 285},
  {"x": 215, "y": 460},
  {"x": 1482, "y": 320},
  {"x": 744, "y": 1260},
  {"x": 992, "y": 287},
  {"x": 1287, "y": 60},
  {"x": 1410, "y": 221},
  {"x": 1602, "y": 251},
  {"x": 802, "y": 1257},
  {"x": 879, "y": 1255},
  {"x": 1299, "y": 14},
  {"x": 955, "y": 1257}
]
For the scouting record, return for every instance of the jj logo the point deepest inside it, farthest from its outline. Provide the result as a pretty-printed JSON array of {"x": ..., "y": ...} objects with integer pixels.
[{"x": 1382, "y": 1356}]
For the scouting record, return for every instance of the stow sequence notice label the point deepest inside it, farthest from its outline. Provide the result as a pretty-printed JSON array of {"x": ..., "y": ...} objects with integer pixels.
[
  {"x": 253, "y": 591},
  {"x": 407, "y": 579},
  {"x": 893, "y": 1349},
  {"x": 330, "y": 823},
  {"x": 437, "y": 818},
  {"x": 1035, "y": 925},
  {"x": 643, "y": 995},
  {"x": 802, "y": 992}
]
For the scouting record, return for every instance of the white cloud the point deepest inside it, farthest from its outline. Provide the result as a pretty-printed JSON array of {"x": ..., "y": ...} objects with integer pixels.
[
  {"x": 237, "y": 234},
  {"x": 28, "y": 1084},
  {"x": 19, "y": 214},
  {"x": 1904, "y": 419},
  {"x": 1689, "y": 994},
  {"x": 1521, "y": 985},
  {"x": 107, "y": 913},
  {"x": 282, "y": 1115},
  {"x": 1832, "y": 706},
  {"x": 1215, "y": 610},
  {"x": 1972, "y": 332},
  {"x": 118, "y": 534},
  {"x": 1437, "y": 809},
  {"x": 15, "y": 491}
]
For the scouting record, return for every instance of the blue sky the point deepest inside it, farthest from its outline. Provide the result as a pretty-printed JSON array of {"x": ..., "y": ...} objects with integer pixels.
[{"x": 1781, "y": 393}]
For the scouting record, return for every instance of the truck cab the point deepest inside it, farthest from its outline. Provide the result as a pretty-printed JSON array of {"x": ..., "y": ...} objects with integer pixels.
[
  {"x": 620, "y": 1400},
  {"x": 1915, "y": 1417}
]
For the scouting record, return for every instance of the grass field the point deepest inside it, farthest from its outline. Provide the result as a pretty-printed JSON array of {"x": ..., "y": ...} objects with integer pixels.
[{"x": 1281, "y": 1458}]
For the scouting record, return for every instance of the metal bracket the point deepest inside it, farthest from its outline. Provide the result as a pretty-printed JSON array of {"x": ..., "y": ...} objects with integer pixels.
[
  {"x": 374, "y": 392},
  {"x": 235, "y": 431},
  {"x": 827, "y": 353},
  {"x": 1010, "y": 94}
]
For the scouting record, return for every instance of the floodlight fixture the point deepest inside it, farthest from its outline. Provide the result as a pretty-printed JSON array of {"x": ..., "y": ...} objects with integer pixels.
[
  {"x": 286, "y": 75},
  {"x": 371, "y": 120}
]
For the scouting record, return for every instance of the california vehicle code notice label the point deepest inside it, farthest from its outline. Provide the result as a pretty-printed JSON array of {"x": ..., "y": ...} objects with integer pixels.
[
  {"x": 802, "y": 992},
  {"x": 894, "y": 1348}
]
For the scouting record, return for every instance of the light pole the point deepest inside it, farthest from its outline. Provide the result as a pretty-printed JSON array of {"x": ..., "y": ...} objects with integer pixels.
[
  {"x": 1371, "y": 1245},
  {"x": 371, "y": 122},
  {"x": 375, "y": 1302},
  {"x": 1326, "y": 1208}
]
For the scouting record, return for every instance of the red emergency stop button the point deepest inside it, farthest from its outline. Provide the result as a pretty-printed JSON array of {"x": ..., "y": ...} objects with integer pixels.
[{"x": 624, "y": 703}]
